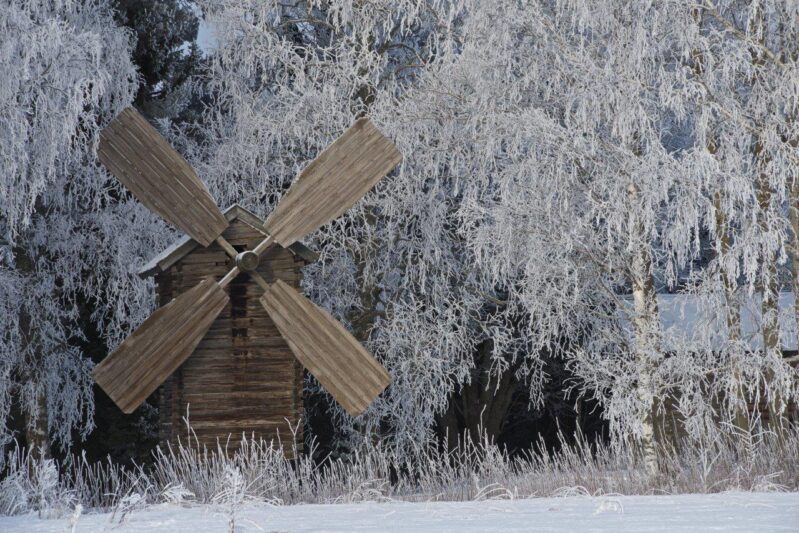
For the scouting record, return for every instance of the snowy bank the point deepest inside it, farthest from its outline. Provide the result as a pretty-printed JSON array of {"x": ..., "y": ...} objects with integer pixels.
[{"x": 735, "y": 511}]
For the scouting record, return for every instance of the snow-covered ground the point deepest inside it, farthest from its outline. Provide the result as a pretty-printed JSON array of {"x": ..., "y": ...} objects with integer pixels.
[{"x": 745, "y": 512}]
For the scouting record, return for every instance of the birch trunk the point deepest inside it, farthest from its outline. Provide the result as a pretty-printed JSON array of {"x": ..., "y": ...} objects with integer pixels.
[
  {"x": 36, "y": 432},
  {"x": 35, "y": 417},
  {"x": 723, "y": 246},
  {"x": 34, "y": 413},
  {"x": 646, "y": 324},
  {"x": 770, "y": 285},
  {"x": 733, "y": 310},
  {"x": 793, "y": 215},
  {"x": 793, "y": 219}
]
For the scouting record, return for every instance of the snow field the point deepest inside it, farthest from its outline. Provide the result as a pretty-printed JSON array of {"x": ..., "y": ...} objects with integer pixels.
[{"x": 729, "y": 512}]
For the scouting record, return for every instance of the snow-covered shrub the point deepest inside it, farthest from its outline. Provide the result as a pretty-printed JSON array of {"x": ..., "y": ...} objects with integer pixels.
[
  {"x": 31, "y": 483},
  {"x": 233, "y": 494},
  {"x": 50, "y": 498},
  {"x": 14, "y": 494},
  {"x": 126, "y": 505},
  {"x": 259, "y": 471}
]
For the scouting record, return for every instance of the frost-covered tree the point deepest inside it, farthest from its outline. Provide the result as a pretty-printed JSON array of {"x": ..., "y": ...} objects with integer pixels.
[
  {"x": 284, "y": 81},
  {"x": 570, "y": 203},
  {"x": 562, "y": 162},
  {"x": 745, "y": 66},
  {"x": 66, "y": 233},
  {"x": 651, "y": 127}
]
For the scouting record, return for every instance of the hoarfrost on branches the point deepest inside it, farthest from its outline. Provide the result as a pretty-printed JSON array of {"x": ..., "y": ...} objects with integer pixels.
[
  {"x": 564, "y": 162},
  {"x": 65, "y": 228}
]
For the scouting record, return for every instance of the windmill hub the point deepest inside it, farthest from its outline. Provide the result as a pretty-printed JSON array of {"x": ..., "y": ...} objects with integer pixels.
[{"x": 247, "y": 261}]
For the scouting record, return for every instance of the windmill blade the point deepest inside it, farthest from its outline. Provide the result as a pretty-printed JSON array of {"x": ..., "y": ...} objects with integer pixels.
[
  {"x": 160, "y": 345},
  {"x": 333, "y": 182},
  {"x": 159, "y": 177},
  {"x": 322, "y": 345}
]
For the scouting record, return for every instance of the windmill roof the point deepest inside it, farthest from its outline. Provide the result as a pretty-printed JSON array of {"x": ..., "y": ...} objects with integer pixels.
[{"x": 181, "y": 247}]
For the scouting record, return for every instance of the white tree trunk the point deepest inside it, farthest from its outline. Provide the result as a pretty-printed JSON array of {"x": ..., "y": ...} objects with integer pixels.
[
  {"x": 646, "y": 323},
  {"x": 770, "y": 304},
  {"x": 34, "y": 412},
  {"x": 36, "y": 433},
  {"x": 793, "y": 216},
  {"x": 733, "y": 310}
]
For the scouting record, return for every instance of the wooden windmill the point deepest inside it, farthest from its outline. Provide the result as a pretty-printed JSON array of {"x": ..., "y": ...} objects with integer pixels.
[{"x": 165, "y": 183}]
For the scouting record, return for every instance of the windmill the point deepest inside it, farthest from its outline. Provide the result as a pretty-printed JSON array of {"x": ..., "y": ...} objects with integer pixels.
[{"x": 165, "y": 183}]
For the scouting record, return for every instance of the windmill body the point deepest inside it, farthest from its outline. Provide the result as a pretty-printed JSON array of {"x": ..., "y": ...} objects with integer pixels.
[
  {"x": 242, "y": 378},
  {"x": 170, "y": 340}
]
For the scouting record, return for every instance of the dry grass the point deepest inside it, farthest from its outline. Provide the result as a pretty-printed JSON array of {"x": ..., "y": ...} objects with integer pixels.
[{"x": 764, "y": 462}]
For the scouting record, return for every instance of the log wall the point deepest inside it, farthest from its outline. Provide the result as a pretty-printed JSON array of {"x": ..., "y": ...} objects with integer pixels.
[{"x": 242, "y": 378}]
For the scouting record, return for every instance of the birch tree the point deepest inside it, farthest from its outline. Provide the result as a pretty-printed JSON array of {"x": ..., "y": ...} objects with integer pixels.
[
  {"x": 65, "y": 229},
  {"x": 748, "y": 96},
  {"x": 562, "y": 161},
  {"x": 615, "y": 186},
  {"x": 703, "y": 134}
]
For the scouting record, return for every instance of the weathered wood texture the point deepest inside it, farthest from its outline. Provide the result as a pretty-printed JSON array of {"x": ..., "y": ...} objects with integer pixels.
[
  {"x": 323, "y": 346},
  {"x": 157, "y": 347},
  {"x": 242, "y": 378},
  {"x": 159, "y": 177},
  {"x": 185, "y": 245},
  {"x": 333, "y": 182}
]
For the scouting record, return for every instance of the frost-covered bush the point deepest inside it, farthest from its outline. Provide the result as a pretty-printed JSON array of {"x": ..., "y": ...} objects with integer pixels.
[
  {"x": 33, "y": 484},
  {"x": 259, "y": 471}
]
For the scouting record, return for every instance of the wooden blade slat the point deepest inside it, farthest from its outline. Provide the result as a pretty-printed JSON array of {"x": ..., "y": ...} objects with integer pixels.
[
  {"x": 160, "y": 345},
  {"x": 159, "y": 177},
  {"x": 118, "y": 154},
  {"x": 333, "y": 182},
  {"x": 323, "y": 346}
]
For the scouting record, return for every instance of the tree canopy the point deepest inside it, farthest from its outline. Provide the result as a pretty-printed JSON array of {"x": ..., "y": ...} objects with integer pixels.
[{"x": 566, "y": 163}]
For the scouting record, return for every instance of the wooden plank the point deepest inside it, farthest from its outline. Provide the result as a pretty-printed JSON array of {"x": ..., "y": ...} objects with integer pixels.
[
  {"x": 329, "y": 352},
  {"x": 159, "y": 177},
  {"x": 242, "y": 377},
  {"x": 256, "y": 369},
  {"x": 158, "y": 347},
  {"x": 333, "y": 182},
  {"x": 244, "y": 230}
]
